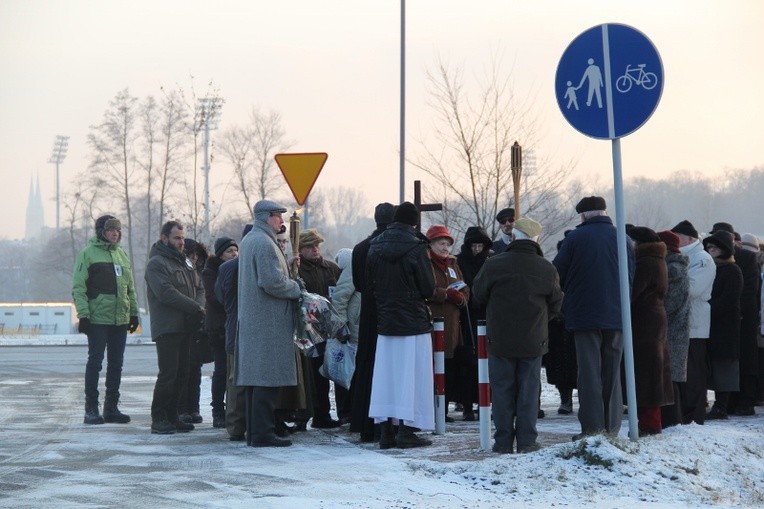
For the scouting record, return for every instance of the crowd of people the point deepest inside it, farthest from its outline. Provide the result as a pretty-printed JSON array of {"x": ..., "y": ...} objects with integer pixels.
[{"x": 694, "y": 299}]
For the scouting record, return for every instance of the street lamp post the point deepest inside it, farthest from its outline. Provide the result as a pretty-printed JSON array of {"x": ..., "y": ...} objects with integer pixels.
[
  {"x": 60, "y": 148},
  {"x": 516, "y": 166},
  {"x": 208, "y": 115}
]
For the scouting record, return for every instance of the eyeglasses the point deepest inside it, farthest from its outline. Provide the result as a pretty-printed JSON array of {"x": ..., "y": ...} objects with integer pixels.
[{"x": 507, "y": 220}]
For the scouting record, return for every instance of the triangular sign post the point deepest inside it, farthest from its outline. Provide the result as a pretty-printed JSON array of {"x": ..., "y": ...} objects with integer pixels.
[{"x": 301, "y": 172}]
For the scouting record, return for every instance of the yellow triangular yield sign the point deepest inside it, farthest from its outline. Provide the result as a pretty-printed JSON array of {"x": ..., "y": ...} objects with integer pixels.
[{"x": 301, "y": 172}]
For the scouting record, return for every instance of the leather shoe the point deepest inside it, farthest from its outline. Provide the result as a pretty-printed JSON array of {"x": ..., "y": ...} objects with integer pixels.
[
  {"x": 500, "y": 449},
  {"x": 162, "y": 428},
  {"x": 183, "y": 427},
  {"x": 325, "y": 423},
  {"x": 468, "y": 415},
  {"x": 716, "y": 414},
  {"x": 523, "y": 449},
  {"x": 236, "y": 438},
  {"x": 273, "y": 441}
]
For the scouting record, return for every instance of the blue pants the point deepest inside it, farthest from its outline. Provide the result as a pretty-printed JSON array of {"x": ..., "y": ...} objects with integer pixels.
[{"x": 110, "y": 339}]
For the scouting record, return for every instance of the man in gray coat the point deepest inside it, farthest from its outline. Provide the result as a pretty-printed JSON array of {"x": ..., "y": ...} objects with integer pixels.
[
  {"x": 521, "y": 292},
  {"x": 264, "y": 355}
]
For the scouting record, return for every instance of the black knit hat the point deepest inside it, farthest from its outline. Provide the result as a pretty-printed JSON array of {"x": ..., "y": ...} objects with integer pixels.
[
  {"x": 685, "y": 228},
  {"x": 383, "y": 213},
  {"x": 246, "y": 230},
  {"x": 723, "y": 240},
  {"x": 223, "y": 243},
  {"x": 508, "y": 213},
  {"x": 406, "y": 213},
  {"x": 591, "y": 203}
]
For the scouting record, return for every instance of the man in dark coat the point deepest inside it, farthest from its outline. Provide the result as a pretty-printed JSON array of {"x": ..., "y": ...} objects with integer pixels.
[
  {"x": 588, "y": 266},
  {"x": 521, "y": 290},
  {"x": 367, "y": 329},
  {"x": 226, "y": 291},
  {"x": 176, "y": 306},
  {"x": 320, "y": 276}
]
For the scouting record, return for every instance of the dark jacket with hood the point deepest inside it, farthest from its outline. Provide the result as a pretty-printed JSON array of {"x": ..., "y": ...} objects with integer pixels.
[
  {"x": 400, "y": 276},
  {"x": 226, "y": 291},
  {"x": 215, "y": 316},
  {"x": 175, "y": 291}
]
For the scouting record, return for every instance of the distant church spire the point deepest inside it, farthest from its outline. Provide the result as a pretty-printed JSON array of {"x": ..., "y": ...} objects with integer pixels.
[{"x": 35, "y": 212}]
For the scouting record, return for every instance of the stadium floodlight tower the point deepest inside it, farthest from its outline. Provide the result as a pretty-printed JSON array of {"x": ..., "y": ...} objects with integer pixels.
[
  {"x": 207, "y": 117},
  {"x": 60, "y": 148}
]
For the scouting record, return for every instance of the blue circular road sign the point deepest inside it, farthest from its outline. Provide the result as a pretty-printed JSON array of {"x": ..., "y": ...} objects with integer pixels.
[{"x": 609, "y": 81}]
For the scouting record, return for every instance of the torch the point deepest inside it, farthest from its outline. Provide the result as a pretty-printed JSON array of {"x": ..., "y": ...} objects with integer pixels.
[
  {"x": 294, "y": 238},
  {"x": 516, "y": 166}
]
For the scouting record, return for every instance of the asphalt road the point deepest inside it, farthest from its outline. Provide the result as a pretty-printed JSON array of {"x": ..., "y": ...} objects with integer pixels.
[{"x": 49, "y": 458}]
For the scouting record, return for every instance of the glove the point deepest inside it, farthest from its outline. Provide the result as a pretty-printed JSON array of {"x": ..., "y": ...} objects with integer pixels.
[
  {"x": 455, "y": 297},
  {"x": 195, "y": 321},
  {"x": 133, "y": 326},
  {"x": 84, "y": 326}
]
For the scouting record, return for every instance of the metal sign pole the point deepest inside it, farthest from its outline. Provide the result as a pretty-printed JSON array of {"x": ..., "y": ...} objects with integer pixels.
[{"x": 623, "y": 272}]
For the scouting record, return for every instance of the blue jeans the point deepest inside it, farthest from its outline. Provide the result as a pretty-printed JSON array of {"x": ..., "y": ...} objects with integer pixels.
[{"x": 110, "y": 339}]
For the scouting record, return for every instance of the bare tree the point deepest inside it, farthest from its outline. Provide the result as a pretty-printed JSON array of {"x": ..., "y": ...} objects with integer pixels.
[
  {"x": 470, "y": 154},
  {"x": 251, "y": 149},
  {"x": 113, "y": 144}
]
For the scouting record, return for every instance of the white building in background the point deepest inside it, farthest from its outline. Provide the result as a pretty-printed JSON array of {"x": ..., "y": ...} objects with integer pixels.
[
  {"x": 35, "y": 212},
  {"x": 37, "y": 318}
]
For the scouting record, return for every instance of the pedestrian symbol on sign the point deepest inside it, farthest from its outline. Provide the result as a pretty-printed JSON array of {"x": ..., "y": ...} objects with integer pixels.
[{"x": 593, "y": 75}]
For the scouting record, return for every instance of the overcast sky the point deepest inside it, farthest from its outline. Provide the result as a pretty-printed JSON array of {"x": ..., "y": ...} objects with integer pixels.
[{"x": 331, "y": 68}]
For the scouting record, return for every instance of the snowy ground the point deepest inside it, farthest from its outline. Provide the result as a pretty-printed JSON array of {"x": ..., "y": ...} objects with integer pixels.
[{"x": 48, "y": 458}]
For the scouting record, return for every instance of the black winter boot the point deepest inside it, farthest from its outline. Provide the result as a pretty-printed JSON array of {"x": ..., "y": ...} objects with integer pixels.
[
  {"x": 406, "y": 438},
  {"x": 91, "y": 411},
  {"x": 386, "y": 434},
  {"x": 111, "y": 413}
]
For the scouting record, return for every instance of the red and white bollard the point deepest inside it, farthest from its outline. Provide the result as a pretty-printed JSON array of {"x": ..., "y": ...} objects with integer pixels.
[
  {"x": 439, "y": 361},
  {"x": 484, "y": 389}
]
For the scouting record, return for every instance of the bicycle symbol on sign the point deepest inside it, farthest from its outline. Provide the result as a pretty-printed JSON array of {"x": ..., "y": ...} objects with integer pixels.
[{"x": 637, "y": 76}]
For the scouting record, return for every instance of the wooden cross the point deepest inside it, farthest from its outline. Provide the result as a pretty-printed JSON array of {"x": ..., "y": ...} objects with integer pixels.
[{"x": 423, "y": 207}]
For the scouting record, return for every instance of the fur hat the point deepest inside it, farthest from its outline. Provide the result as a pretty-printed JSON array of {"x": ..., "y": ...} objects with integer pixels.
[
  {"x": 477, "y": 235},
  {"x": 100, "y": 224},
  {"x": 383, "y": 213},
  {"x": 685, "y": 228},
  {"x": 750, "y": 242},
  {"x": 723, "y": 240},
  {"x": 310, "y": 237},
  {"x": 438, "y": 231},
  {"x": 505, "y": 214},
  {"x": 642, "y": 234},
  {"x": 223, "y": 243},
  {"x": 723, "y": 227},
  {"x": 670, "y": 239},
  {"x": 591, "y": 203},
  {"x": 264, "y": 208},
  {"x": 406, "y": 213},
  {"x": 529, "y": 227}
]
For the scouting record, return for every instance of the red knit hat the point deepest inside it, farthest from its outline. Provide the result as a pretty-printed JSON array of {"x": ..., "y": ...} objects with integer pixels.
[
  {"x": 438, "y": 231},
  {"x": 670, "y": 239}
]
